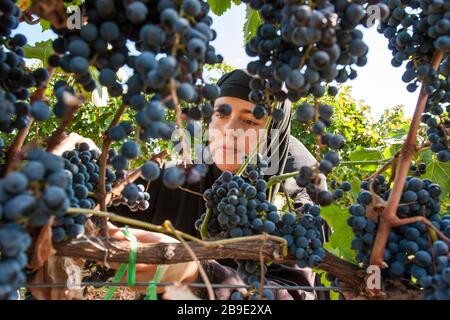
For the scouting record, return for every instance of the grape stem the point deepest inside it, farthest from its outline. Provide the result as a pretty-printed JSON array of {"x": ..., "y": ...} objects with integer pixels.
[
  {"x": 276, "y": 179},
  {"x": 364, "y": 162},
  {"x": 318, "y": 136},
  {"x": 73, "y": 103},
  {"x": 13, "y": 154},
  {"x": 176, "y": 102},
  {"x": 401, "y": 222},
  {"x": 388, "y": 217},
  {"x": 287, "y": 197},
  {"x": 173, "y": 93},
  {"x": 261, "y": 263},
  {"x": 132, "y": 177},
  {"x": 101, "y": 191},
  {"x": 191, "y": 191},
  {"x": 389, "y": 161},
  {"x": 162, "y": 229},
  {"x": 201, "y": 270},
  {"x": 118, "y": 188},
  {"x": 204, "y": 226}
]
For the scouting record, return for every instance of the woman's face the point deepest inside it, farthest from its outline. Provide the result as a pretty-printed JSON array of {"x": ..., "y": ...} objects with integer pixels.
[{"x": 235, "y": 135}]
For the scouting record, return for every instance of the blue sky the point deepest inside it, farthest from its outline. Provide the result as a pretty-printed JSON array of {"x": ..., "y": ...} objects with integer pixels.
[{"x": 378, "y": 84}]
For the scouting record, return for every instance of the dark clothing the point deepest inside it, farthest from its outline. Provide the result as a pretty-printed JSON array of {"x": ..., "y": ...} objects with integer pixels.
[
  {"x": 183, "y": 209},
  {"x": 180, "y": 207}
]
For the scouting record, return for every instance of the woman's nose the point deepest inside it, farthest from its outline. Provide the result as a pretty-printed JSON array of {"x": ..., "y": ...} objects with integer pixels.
[{"x": 232, "y": 123}]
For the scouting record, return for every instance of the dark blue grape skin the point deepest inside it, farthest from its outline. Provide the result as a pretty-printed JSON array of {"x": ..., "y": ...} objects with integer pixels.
[
  {"x": 131, "y": 192},
  {"x": 305, "y": 113},
  {"x": 130, "y": 150},
  {"x": 120, "y": 163},
  {"x": 15, "y": 183},
  {"x": 75, "y": 231},
  {"x": 40, "y": 111},
  {"x": 18, "y": 207},
  {"x": 173, "y": 177},
  {"x": 117, "y": 133},
  {"x": 137, "y": 12},
  {"x": 58, "y": 234},
  {"x": 36, "y": 202},
  {"x": 150, "y": 170},
  {"x": 107, "y": 77}
]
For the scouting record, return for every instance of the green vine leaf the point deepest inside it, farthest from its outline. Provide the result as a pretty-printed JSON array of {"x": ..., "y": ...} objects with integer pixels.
[
  {"x": 40, "y": 50},
  {"x": 219, "y": 7},
  {"x": 323, "y": 279},
  {"x": 45, "y": 25},
  {"x": 252, "y": 21},
  {"x": 364, "y": 154},
  {"x": 438, "y": 172},
  {"x": 340, "y": 241}
]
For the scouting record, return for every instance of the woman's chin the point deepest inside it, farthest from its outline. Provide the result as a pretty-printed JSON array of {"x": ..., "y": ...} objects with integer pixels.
[
  {"x": 226, "y": 160},
  {"x": 228, "y": 167}
]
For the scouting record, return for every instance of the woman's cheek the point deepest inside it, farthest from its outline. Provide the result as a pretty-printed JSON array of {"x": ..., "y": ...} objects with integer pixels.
[
  {"x": 215, "y": 143},
  {"x": 249, "y": 140}
]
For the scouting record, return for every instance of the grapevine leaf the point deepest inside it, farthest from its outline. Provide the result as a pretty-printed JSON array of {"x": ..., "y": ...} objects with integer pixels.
[
  {"x": 23, "y": 4},
  {"x": 425, "y": 156},
  {"x": 219, "y": 7},
  {"x": 45, "y": 25},
  {"x": 356, "y": 188},
  {"x": 439, "y": 172},
  {"x": 400, "y": 133},
  {"x": 40, "y": 50},
  {"x": 95, "y": 74},
  {"x": 237, "y": 2},
  {"x": 323, "y": 279},
  {"x": 341, "y": 238},
  {"x": 364, "y": 154},
  {"x": 390, "y": 150},
  {"x": 252, "y": 21}
]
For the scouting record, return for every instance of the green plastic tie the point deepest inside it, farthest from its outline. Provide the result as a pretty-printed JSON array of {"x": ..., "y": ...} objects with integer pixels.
[{"x": 130, "y": 266}]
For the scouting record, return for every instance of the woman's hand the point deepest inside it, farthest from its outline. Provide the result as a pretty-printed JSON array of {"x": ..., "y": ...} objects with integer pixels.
[
  {"x": 180, "y": 272},
  {"x": 70, "y": 141}
]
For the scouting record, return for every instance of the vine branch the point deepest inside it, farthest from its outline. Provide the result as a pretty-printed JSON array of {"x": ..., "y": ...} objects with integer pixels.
[
  {"x": 73, "y": 102},
  {"x": 101, "y": 192},
  {"x": 388, "y": 217},
  {"x": 192, "y": 254},
  {"x": 13, "y": 154}
]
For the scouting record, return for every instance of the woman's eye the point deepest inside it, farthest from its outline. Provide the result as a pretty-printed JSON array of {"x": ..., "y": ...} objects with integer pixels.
[
  {"x": 250, "y": 122},
  {"x": 220, "y": 115}
]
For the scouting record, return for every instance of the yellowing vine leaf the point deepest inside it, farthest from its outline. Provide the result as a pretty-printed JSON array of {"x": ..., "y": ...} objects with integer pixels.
[{"x": 43, "y": 248}]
